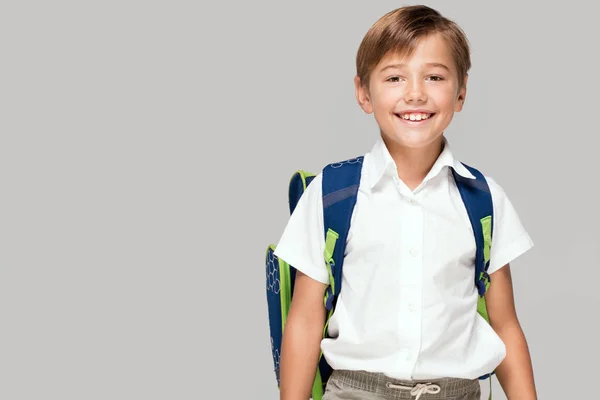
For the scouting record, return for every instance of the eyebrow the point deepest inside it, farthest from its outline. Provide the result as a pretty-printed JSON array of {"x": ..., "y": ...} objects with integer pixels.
[{"x": 439, "y": 65}]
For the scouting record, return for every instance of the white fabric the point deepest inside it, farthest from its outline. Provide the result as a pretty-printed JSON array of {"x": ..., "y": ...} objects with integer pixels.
[{"x": 408, "y": 302}]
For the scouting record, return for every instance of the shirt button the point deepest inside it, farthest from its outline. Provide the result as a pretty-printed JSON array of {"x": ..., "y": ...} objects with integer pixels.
[
  {"x": 413, "y": 252},
  {"x": 411, "y": 307}
]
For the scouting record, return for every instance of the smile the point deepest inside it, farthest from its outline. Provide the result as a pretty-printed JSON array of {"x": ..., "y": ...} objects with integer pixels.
[{"x": 415, "y": 117}]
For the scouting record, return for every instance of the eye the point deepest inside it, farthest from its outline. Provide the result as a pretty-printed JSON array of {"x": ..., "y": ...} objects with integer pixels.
[
  {"x": 436, "y": 78},
  {"x": 393, "y": 79}
]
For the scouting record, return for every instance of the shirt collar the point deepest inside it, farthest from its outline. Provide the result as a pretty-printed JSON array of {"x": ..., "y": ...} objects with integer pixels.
[{"x": 382, "y": 164}]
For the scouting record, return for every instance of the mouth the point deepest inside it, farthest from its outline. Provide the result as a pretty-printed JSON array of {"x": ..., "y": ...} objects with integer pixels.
[{"x": 415, "y": 118}]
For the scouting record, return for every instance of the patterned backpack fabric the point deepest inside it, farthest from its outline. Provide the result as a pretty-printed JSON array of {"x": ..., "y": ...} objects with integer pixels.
[{"x": 340, "y": 185}]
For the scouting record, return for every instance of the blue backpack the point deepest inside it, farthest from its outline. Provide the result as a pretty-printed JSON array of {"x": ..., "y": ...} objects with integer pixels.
[{"x": 340, "y": 187}]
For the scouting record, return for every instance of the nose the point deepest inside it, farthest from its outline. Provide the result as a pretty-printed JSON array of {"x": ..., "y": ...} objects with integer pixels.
[{"x": 415, "y": 93}]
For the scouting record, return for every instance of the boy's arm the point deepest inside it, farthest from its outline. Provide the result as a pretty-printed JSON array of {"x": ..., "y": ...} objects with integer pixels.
[
  {"x": 301, "y": 343},
  {"x": 515, "y": 373}
]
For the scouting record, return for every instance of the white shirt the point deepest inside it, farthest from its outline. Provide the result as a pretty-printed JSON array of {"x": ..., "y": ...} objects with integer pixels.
[{"x": 408, "y": 303}]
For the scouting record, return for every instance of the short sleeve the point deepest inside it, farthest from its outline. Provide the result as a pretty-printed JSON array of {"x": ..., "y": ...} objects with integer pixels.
[
  {"x": 303, "y": 240},
  {"x": 510, "y": 239}
]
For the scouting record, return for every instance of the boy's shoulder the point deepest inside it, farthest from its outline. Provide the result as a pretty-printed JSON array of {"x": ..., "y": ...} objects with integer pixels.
[
  {"x": 478, "y": 173},
  {"x": 490, "y": 183}
]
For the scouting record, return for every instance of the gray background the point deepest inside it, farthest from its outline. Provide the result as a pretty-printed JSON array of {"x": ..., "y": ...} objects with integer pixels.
[{"x": 145, "y": 152}]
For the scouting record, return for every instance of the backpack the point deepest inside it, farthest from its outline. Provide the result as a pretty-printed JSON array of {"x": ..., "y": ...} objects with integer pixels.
[{"x": 340, "y": 187}]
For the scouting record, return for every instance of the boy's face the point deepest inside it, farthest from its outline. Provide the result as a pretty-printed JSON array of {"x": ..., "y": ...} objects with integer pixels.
[{"x": 414, "y": 99}]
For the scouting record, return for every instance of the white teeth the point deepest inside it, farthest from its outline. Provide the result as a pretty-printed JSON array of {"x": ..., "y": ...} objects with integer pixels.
[{"x": 415, "y": 117}]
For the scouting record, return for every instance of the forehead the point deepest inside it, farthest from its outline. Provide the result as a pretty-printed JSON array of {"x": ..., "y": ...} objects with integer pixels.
[{"x": 431, "y": 49}]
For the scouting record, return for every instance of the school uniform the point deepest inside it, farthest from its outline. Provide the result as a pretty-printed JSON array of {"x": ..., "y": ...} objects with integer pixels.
[{"x": 407, "y": 310}]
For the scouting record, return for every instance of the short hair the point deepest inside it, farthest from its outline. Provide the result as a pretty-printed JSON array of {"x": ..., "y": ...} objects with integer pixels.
[{"x": 399, "y": 31}]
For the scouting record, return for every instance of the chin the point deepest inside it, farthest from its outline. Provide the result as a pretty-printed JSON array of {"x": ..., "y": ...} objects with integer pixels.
[{"x": 413, "y": 140}]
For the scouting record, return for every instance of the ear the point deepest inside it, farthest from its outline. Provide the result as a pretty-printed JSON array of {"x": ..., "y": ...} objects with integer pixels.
[
  {"x": 363, "y": 96},
  {"x": 462, "y": 94}
]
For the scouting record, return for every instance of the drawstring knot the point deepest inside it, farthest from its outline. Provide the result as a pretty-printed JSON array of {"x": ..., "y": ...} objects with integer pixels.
[{"x": 417, "y": 390}]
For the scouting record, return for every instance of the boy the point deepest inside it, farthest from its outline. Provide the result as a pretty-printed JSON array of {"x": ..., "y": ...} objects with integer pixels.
[{"x": 405, "y": 324}]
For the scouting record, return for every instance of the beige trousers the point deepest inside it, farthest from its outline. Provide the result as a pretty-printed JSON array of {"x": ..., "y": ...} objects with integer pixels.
[{"x": 361, "y": 385}]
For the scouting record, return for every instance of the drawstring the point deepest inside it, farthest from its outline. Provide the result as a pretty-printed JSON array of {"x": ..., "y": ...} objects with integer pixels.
[{"x": 418, "y": 389}]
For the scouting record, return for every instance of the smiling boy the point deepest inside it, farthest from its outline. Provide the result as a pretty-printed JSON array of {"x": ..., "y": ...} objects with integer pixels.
[{"x": 406, "y": 324}]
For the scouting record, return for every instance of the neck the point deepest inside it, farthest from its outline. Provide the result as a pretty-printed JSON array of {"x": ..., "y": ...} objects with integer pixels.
[{"x": 414, "y": 164}]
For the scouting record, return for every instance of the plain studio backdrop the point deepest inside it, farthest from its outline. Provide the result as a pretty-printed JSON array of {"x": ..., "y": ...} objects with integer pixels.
[{"x": 145, "y": 152}]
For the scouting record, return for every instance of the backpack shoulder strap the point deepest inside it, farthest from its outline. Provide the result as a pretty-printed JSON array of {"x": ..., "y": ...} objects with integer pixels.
[
  {"x": 478, "y": 201},
  {"x": 340, "y": 185},
  {"x": 298, "y": 184},
  {"x": 477, "y": 198},
  {"x": 340, "y": 188}
]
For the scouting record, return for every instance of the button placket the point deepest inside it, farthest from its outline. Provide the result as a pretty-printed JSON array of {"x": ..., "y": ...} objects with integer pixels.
[{"x": 412, "y": 240}]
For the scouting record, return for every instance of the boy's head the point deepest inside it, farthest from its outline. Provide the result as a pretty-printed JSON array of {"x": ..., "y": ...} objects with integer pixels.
[{"x": 412, "y": 70}]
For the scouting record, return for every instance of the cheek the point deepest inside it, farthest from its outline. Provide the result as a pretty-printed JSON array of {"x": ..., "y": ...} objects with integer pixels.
[
  {"x": 447, "y": 97},
  {"x": 385, "y": 101}
]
